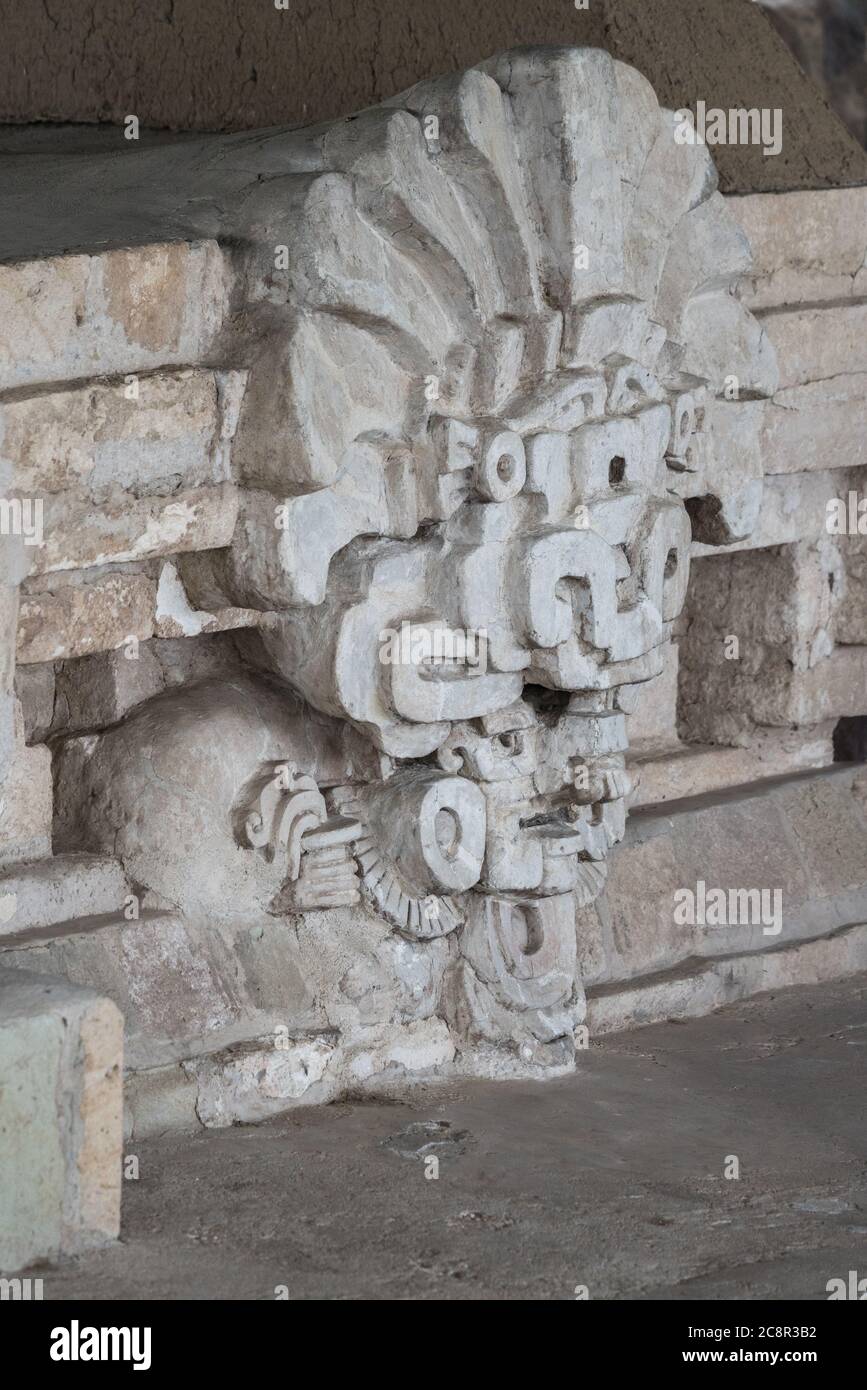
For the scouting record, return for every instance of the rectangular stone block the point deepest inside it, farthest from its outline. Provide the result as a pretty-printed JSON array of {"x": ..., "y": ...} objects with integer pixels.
[
  {"x": 95, "y": 691},
  {"x": 818, "y": 343},
  {"x": 758, "y": 642},
  {"x": 794, "y": 507},
  {"x": 41, "y": 899},
  {"x": 690, "y": 770},
  {"x": 850, "y": 625},
  {"x": 181, "y": 987},
  {"x": 34, "y": 687},
  {"x": 69, "y": 317},
  {"x": 61, "y": 1059},
  {"x": 81, "y": 536},
  {"x": 142, "y": 435},
  {"x": 804, "y": 835},
  {"x": 72, "y": 618},
  {"x": 26, "y": 800},
  {"x": 817, "y": 425},
  {"x": 712, "y": 984},
  {"x": 835, "y": 689},
  {"x": 807, "y": 246}
]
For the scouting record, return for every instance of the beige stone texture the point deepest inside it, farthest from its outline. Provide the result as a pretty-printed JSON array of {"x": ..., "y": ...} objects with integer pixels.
[
  {"x": 673, "y": 772},
  {"x": 127, "y": 310},
  {"x": 819, "y": 343},
  {"x": 808, "y": 246},
  {"x": 72, "y": 619},
  {"x": 758, "y": 643}
]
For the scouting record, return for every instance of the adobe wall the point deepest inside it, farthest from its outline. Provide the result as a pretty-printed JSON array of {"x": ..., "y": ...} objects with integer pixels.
[{"x": 245, "y": 64}]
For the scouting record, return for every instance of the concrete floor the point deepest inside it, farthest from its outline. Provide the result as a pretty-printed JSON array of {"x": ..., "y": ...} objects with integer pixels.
[{"x": 611, "y": 1179}]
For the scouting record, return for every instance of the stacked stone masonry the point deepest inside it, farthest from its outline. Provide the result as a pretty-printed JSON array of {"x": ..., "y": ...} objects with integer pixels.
[{"x": 416, "y": 379}]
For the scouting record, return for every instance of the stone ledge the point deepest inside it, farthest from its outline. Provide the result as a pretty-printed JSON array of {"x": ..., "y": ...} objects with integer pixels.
[
  {"x": 45, "y": 895},
  {"x": 675, "y": 771},
  {"x": 804, "y": 834},
  {"x": 701, "y": 986}
]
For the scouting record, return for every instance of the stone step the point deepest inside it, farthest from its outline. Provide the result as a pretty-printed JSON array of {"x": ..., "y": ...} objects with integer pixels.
[{"x": 701, "y": 986}]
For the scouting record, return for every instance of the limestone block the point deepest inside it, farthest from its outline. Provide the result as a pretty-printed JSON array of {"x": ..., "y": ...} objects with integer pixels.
[
  {"x": 182, "y": 661},
  {"x": 60, "y": 1118},
  {"x": 176, "y": 984},
  {"x": 808, "y": 247},
  {"x": 794, "y": 507},
  {"x": 827, "y": 823},
  {"x": 26, "y": 800},
  {"x": 834, "y": 690},
  {"x": 47, "y": 897},
  {"x": 70, "y": 619},
  {"x": 818, "y": 344},
  {"x": 738, "y": 843},
  {"x": 819, "y": 425},
  {"x": 94, "y": 691},
  {"x": 155, "y": 434},
  {"x": 712, "y": 984},
  {"x": 758, "y": 641},
  {"x": 34, "y": 687},
  {"x": 70, "y": 317},
  {"x": 851, "y": 621},
  {"x": 676, "y": 771},
  {"x": 77, "y": 536}
]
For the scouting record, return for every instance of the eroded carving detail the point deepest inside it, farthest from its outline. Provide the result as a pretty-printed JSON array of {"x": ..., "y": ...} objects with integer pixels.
[{"x": 284, "y": 815}]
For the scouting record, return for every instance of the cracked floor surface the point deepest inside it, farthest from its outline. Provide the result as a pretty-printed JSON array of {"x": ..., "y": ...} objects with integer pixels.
[{"x": 611, "y": 1179}]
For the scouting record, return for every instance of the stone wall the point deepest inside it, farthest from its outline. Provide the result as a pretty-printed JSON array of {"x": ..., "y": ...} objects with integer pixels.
[
  {"x": 247, "y": 64},
  {"x": 299, "y": 411}
]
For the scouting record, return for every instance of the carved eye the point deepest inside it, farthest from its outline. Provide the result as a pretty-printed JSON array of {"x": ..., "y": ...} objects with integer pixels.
[
  {"x": 617, "y": 472},
  {"x": 506, "y": 468},
  {"x": 670, "y": 564},
  {"x": 447, "y": 832},
  {"x": 511, "y": 743}
]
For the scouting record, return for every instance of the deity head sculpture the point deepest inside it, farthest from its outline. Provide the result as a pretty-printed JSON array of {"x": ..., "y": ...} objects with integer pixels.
[{"x": 486, "y": 384}]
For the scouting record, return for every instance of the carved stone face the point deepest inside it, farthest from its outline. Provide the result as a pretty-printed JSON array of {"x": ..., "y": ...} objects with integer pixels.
[
  {"x": 547, "y": 566},
  {"x": 482, "y": 390},
  {"x": 478, "y": 408}
]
